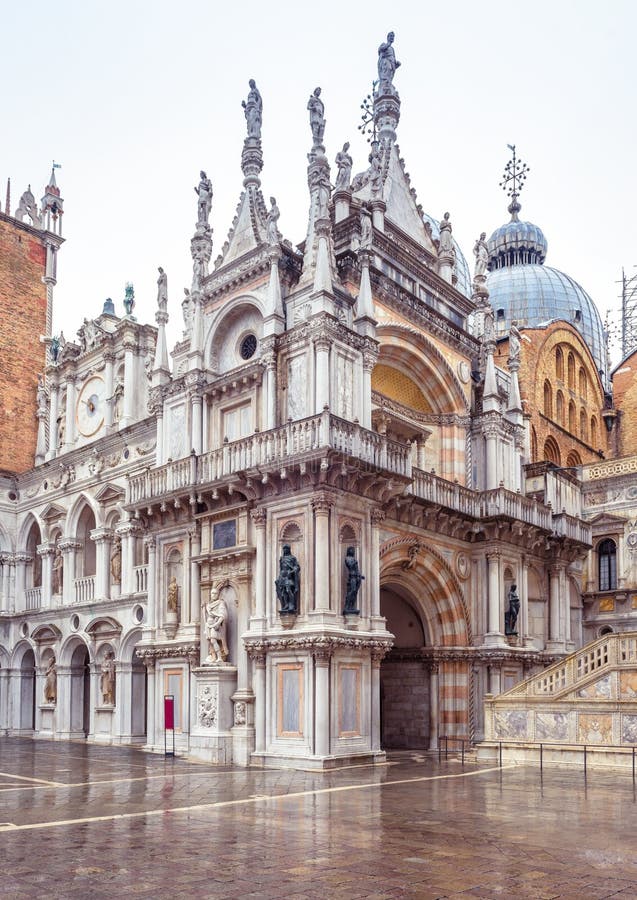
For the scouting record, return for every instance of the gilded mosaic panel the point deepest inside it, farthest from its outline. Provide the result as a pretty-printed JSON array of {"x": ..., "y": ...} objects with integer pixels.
[
  {"x": 595, "y": 729},
  {"x": 627, "y": 685},
  {"x": 600, "y": 689}
]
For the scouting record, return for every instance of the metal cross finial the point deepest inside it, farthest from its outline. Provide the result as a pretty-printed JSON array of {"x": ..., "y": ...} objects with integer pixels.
[
  {"x": 368, "y": 124},
  {"x": 515, "y": 173}
]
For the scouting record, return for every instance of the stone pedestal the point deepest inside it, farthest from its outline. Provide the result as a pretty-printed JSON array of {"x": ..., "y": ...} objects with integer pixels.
[
  {"x": 211, "y": 736},
  {"x": 47, "y": 720},
  {"x": 103, "y": 728}
]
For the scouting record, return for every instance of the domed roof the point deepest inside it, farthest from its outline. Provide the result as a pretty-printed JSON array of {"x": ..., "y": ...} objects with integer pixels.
[
  {"x": 464, "y": 284},
  {"x": 516, "y": 242},
  {"x": 534, "y": 295},
  {"x": 522, "y": 289}
]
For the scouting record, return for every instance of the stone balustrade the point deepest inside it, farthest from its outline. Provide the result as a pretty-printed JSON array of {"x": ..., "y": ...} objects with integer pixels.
[
  {"x": 33, "y": 598},
  {"x": 84, "y": 588},
  {"x": 280, "y": 447}
]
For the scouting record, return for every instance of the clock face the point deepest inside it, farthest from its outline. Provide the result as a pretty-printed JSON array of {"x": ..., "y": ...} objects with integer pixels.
[{"x": 90, "y": 406}]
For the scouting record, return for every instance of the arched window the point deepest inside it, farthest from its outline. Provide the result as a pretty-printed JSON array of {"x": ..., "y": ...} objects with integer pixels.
[
  {"x": 571, "y": 371},
  {"x": 85, "y": 564},
  {"x": 548, "y": 399},
  {"x": 559, "y": 407},
  {"x": 583, "y": 425},
  {"x": 552, "y": 451},
  {"x": 583, "y": 385},
  {"x": 607, "y": 565},
  {"x": 593, "y": 431},
  {"x": 559, "y": 364},
  {"x": 573, "y": 459},
  {"x": 572, "y": 418}
]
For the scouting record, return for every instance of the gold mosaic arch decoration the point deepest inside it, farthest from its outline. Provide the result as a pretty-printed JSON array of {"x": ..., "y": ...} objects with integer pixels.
[
  {"x": 408, "y": 554},
  {"x": 407, "y": 344}
]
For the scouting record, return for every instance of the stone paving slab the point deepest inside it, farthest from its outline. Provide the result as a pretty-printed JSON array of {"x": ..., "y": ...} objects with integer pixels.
[{"x": 80, "y": 821}]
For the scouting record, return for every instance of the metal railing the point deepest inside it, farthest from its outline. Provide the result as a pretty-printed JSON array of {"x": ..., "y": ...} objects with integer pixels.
[
  {"x": 444, "y": 739},
  {"x": 585, "y": 749}
]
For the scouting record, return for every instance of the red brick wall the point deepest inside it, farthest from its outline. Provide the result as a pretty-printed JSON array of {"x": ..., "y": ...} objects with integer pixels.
[
  {"x": 537, "y": 364},
  {"x": 22, "y": 355}
]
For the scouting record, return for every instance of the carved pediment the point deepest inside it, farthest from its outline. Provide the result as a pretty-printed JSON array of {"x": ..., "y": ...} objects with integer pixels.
[
  {"x": 606, "y": 523},
  {"x": 46, "y": 634},
  {"x": 53, "y": 512},
  {"x": 104, "y": 628},
  {"x": 109, "y": 494}
]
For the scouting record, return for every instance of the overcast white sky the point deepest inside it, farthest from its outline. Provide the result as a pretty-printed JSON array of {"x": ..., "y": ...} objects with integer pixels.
[{"x": 133, "y": 98}]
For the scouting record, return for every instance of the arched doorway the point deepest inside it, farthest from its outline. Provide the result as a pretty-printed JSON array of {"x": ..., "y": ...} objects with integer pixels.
[
  {"x": 404, "y": 676},
  {"x": 426, "y": 677},
  {"x": 80, "y": 692},
  {"x": 27, "y": 691}
]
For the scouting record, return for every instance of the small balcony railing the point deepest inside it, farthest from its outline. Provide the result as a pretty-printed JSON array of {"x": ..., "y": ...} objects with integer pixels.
[{"x": 84, "y": 588}]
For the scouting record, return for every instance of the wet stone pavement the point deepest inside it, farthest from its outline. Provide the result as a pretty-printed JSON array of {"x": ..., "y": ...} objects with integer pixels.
[{"x": 94, "y": 822}]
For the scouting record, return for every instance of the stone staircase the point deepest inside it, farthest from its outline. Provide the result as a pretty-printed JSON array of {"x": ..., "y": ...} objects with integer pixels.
[{"x": 588, "y": 699}]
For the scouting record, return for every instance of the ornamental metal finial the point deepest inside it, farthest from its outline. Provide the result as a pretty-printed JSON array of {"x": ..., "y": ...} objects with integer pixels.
[{"x": 515, "y": 173}]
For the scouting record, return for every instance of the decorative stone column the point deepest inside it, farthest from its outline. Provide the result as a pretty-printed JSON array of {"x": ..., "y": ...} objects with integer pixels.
[
  {"x": 524, "y": 601},
  {"x": 151, "y": 702},
  {"x": 69, "y": 548},
  {"x": 109, "y": 360},
  {"x": 495, "y": 675},
  {"x": 494, "y": 635},
  {"x": 377, "y": 621},
  {"x": 369, "y": 361},
  {"x": 129, "y": 379},
  {"x": 322, "y": 659},
  {"x": 21, "y": 562},
  {"x": 271, "y": 379},
  {"x": 259, "y": 519},
  {"x": 379, "y": 207},
  {"x": 196, "y": 417},
  {"x": 46, "y": 552},
  {"x": 259, "y": 686},
  {"x": 322, "y": 370},
  {"x": 434, "y": 705},
  {"x": 151, "y": 545},
  {"x": 376, "y": 659},
  {"x": 491, "y": 442},
  {"x": 193, "y": 611},
  {"x": 127, "y": 532},
  {"x": 69, "y": 424},
  {"x": 6, "y": 561},
  {"x": 156, "y": 408},
  {"x": 102, "y": 537},
  {"x": 556, "y": 636},
  {"x": 53, "y": 417},
  {"x": 322, "y": 503}
]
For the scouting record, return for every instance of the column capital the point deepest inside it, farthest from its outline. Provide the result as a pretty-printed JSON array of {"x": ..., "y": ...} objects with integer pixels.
[
  {"x": 377, "y": 516},
  {"x": 259, "y": 516},
  {"x": 101, "y": 535},
  {"x": 322, "y": 503},
  {"x": 150, "y": 541},
  {"x": 68, "y": 544},
  {"x": 46, "y": 549},
  {"x": 322, "y": 656}
]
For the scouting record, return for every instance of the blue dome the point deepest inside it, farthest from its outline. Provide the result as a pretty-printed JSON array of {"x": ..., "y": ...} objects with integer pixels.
[
  {"x": 516, "y": 243},
  {"x": 534, "y": 295},
  {"x": 464, "y": 284}
]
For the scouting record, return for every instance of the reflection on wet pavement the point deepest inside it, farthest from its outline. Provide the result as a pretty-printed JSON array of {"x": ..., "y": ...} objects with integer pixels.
[{"x": 86, "y": 821}]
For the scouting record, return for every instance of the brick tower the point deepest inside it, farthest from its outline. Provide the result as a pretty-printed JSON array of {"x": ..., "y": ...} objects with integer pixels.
[{"x": 29, "y": 241}]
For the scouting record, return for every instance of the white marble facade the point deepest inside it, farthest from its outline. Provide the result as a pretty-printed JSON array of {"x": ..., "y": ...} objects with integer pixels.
[{"x": 319, "y": 398}]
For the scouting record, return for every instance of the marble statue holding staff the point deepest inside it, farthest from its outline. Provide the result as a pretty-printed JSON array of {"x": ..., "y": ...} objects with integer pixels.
[
  {"x": 317, "y": 117},
  {"x": 387, "y": 64},
  {"x": 253, "y": 110}
]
